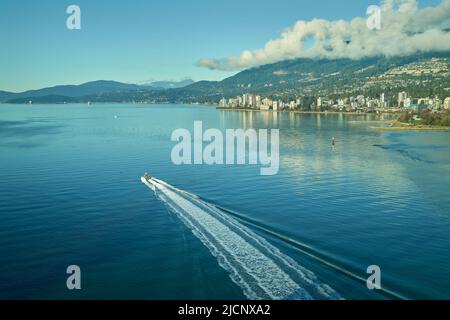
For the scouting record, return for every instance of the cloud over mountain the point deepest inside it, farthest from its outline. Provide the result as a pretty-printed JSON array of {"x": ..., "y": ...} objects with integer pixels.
[{"x": 405, "y": 29}]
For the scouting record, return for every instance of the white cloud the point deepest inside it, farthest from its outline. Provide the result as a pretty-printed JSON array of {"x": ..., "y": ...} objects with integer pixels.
[{"x": 405, "y": 29}]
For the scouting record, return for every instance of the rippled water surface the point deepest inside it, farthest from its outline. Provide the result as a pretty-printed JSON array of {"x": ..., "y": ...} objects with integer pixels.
[{"x": 70, "y": 193}]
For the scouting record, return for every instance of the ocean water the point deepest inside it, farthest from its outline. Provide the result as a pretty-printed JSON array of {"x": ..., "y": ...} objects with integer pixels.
[{"x": 70, "y": 193}]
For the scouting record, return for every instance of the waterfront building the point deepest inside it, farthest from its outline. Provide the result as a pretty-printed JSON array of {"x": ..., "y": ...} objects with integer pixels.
[
  {"x": 257, "y": 102},
  {"x": 267, "y": 102},
  {"x": 223, "y": 103},
  {"x": 275, "y": 105},
  {"x": 245, "y": 99},
  {"x": 292, "y": 105},
  {"x": 319, "y": 102}
]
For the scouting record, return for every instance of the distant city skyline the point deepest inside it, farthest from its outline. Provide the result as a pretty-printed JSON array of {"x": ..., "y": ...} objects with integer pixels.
[{"x": 140, "y": 41}]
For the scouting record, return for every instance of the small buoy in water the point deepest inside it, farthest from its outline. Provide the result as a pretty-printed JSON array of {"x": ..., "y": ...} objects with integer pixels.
[{"x": 116, "y": 117}]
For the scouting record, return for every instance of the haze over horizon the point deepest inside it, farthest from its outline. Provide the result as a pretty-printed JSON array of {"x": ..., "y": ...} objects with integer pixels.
[{"x": 176, "y": 40}]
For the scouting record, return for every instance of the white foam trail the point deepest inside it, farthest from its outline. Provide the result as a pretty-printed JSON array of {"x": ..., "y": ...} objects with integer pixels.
[{"x": 260, "y": 269}]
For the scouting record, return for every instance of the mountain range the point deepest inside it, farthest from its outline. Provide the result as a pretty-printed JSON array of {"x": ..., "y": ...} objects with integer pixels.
[
  {"x": 75, "y": 93},
  {"x": 420, "y": 74},
  {"x": 170, "y": 84}
]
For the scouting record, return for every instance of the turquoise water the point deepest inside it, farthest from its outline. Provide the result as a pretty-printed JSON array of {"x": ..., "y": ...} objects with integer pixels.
[{"x": 71, "y": 194}]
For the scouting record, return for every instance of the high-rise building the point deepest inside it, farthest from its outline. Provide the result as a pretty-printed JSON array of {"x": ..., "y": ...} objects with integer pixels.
[
  {"x": 275, "y": 105},
  {"x": 267, "y": 102},
  {"x": 292, "y": 105},
  {"x": 402, "y": 96},
  {"x": 251, "y": 101},
  {"x": 245, "y": 99},
  {"x": 223, "y": 103},
  {"x": 407, "y": 103},
  {"x": 248, "y": 100},
  {"x": 382, "y": 103},
  {"x": 447, "y": 103},
  {"x": 257, "y": 102},
  {"x": 319, "y": 102}
]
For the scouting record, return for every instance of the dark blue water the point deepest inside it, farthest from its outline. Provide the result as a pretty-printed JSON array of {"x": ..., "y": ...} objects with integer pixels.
[{"x": 70, "y": 193}]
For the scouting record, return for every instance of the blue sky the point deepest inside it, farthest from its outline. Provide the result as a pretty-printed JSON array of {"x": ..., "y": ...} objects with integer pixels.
[{"x": 142, "y": 40}]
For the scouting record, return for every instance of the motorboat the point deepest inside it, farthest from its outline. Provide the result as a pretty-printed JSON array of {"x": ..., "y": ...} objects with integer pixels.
[{"x": 148, "y": 180}]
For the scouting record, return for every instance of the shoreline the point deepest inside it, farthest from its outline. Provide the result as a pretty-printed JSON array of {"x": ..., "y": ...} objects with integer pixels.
[
  {"x": 310, "y": 112},
  {"x": 412, "y": 128},
  {"x": 393, "y": 125},
  {"x": 399, "y": 126},
  {"x": 372, "y": 122}
]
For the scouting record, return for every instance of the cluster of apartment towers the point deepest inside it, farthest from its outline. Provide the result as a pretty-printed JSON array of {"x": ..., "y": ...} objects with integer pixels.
[{"x": 355, "y": 104}]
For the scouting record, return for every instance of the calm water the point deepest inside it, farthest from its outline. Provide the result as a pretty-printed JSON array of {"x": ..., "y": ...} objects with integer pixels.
[{"x": 70, "y": 193}]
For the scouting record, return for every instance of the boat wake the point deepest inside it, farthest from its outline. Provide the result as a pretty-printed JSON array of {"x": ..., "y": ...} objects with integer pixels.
[{"x": 256, "y": 266}]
